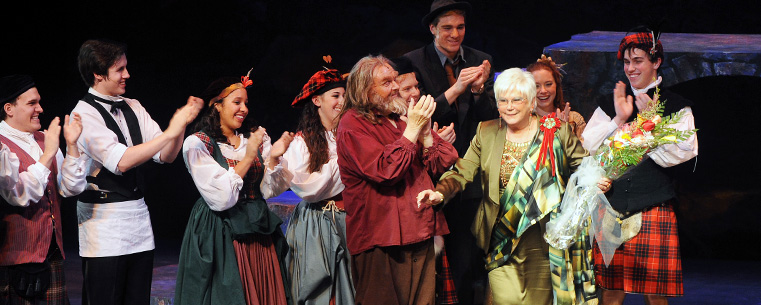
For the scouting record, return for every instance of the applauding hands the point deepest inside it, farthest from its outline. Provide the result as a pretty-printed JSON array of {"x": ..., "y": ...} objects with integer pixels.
[{"x": 419, "y": 120}]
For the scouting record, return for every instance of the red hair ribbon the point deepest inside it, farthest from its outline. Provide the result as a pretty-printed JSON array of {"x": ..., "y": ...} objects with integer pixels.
[
  {"x": 548, "y": 124},
  {"x": 245, "y": 80}
]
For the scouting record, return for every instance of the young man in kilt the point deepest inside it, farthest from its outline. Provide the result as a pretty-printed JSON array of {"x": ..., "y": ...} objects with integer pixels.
[
  {"x": 34, "y": 175},
  {"x": 649, "y": 263}
]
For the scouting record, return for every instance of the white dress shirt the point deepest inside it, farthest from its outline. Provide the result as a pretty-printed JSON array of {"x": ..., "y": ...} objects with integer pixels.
[
  {"x": 22, "y": 189},
  {"x": 311, "y": 187},
  {"x": 115, "y": 228},
  {"x": 219, "y": 187}
]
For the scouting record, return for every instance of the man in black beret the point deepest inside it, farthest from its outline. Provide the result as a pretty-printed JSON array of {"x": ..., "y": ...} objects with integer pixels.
[
  {"x": 461, "y": 81},
  {"x": 34, "y": 176}
]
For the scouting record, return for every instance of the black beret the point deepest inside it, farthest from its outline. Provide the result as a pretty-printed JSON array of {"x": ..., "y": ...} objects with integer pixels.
[
  {"x": 14, "y": 85},
  {"x": 402, "y": 65}
]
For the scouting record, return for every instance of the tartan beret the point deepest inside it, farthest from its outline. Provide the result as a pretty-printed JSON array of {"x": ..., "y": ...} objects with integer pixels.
[
  {"x": 641, "y": 40},
  {"x": 12, "y": 86},
  {"x": 319, "y": 83}
]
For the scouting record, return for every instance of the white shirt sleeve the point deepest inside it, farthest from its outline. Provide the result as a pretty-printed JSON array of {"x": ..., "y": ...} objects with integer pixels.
[
  {"x": 8, "y": 176},
  {"x": 20, "y": 189},
  {"x": 672, "y": 154},
  {"x": 219, "y": 187},
  {"x": 72, "y": 173},
  {"x": 97, "y": 141},
  {"x": 599, "y": 127},
  {"x": 149, "y": 129},
  {"x": 275, "y": 181},
  {"x": 315, "y": 186}
]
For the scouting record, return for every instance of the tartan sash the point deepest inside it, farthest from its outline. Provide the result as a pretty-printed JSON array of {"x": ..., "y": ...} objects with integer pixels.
[{"x": 529, "y": 196}]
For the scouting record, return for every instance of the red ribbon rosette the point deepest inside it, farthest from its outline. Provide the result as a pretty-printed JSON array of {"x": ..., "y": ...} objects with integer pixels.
[{"x": 548, "y": 124}]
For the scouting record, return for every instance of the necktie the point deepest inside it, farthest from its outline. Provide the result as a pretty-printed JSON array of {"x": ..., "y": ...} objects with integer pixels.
[{"x": 449, "y": 68}]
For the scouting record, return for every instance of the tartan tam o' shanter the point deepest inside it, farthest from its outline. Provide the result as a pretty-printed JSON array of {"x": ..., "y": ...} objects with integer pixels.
[
  {"x": 641, "y": 40},
  {"x": 319, "y": 83}
]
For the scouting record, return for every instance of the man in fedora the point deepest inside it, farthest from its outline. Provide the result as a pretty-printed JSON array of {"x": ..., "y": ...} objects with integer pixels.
[{"x": 461, "y": 80}]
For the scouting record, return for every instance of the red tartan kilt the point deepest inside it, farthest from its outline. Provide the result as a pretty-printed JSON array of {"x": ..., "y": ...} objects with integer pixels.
[
  {"x": 650, "y": 263},
  {"x": 445, "y": 289}
]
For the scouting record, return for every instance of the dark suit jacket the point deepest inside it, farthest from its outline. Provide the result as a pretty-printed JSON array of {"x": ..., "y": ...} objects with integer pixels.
[{"x": 432, "y": 79}]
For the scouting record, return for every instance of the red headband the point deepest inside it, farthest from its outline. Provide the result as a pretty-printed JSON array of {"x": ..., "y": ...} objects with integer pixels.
[{"x": 244, "y": 82}]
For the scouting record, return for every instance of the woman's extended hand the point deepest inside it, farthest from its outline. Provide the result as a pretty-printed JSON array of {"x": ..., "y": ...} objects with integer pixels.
[
  {"x": 604, "y": 184},
  {"x": 429, "y": 197}
]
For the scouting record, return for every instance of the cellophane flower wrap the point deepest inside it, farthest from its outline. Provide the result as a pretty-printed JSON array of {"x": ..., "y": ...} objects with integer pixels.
[{"x": 584, "y": 203}]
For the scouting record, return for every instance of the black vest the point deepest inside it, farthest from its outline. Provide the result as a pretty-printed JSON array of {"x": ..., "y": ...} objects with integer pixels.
[
  {"x": 647, "y": 183},
  {"x": 128, "y": 185}
]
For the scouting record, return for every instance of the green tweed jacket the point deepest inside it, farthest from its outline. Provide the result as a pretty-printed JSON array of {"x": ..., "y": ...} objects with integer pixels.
[{"x": 485, "y": 152}]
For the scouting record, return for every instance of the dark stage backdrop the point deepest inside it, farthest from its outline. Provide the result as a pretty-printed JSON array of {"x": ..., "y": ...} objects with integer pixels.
[{"x": 177, "y": 47}]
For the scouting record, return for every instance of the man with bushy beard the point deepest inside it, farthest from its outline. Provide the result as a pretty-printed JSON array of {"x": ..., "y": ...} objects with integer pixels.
[{"x": 384, "y": 163}]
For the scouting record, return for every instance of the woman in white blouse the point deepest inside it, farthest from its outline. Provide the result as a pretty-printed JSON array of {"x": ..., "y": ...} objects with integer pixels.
[
  {"x": 233, "y": 248},
  {"x": 318, "y": 259}
]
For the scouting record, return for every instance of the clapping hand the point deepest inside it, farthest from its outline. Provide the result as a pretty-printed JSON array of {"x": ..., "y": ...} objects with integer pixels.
[
  {"x": 184, "y": 116},
  {"x": 72, "y": 128},
  {"x": 419, "y": 114},
  {"x": 51, "y": 143},
  {"x": 279, "y": 148},
  {"x": 255, "y": 140},
  {"x": 485, "y": 68},
  {"x": 565, "y": 114},
  {"x": 446, "y": 133},
  {"x": 623, "y": 104}
]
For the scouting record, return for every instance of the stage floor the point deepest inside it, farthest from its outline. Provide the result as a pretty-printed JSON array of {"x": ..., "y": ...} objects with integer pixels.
[{"x": 705, "y": 281}]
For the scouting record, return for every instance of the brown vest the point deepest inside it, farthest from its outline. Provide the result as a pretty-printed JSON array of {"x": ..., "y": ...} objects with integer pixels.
[{"x": 26, "y": 232}]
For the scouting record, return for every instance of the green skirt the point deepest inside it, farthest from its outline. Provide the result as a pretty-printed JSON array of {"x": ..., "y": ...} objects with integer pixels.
[{"x": 207, "y": 272}]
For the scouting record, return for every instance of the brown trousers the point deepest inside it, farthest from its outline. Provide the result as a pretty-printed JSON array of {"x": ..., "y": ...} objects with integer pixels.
[{"x": 401, "y": 275}]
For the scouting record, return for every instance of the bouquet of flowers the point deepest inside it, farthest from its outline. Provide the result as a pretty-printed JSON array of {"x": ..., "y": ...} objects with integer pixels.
[{"x": 617, "y": 154}]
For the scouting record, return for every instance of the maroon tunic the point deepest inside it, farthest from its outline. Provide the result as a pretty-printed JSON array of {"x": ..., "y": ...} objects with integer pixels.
[{"x": 383, "y": 173}]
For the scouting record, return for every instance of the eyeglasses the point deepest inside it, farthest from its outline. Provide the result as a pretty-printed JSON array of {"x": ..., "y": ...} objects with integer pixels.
[{"x": 516, "y": 101}]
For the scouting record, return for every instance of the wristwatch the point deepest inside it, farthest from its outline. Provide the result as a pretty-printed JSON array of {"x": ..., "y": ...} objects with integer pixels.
[{"x": 480, "y": 90}]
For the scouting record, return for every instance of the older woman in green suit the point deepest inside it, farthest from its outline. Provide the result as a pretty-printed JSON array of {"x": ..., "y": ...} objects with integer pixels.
[{"x": 526, "y": 161}]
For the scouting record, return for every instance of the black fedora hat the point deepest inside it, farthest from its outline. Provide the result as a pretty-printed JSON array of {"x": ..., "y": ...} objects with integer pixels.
[{"x": 440, "y": 6}]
